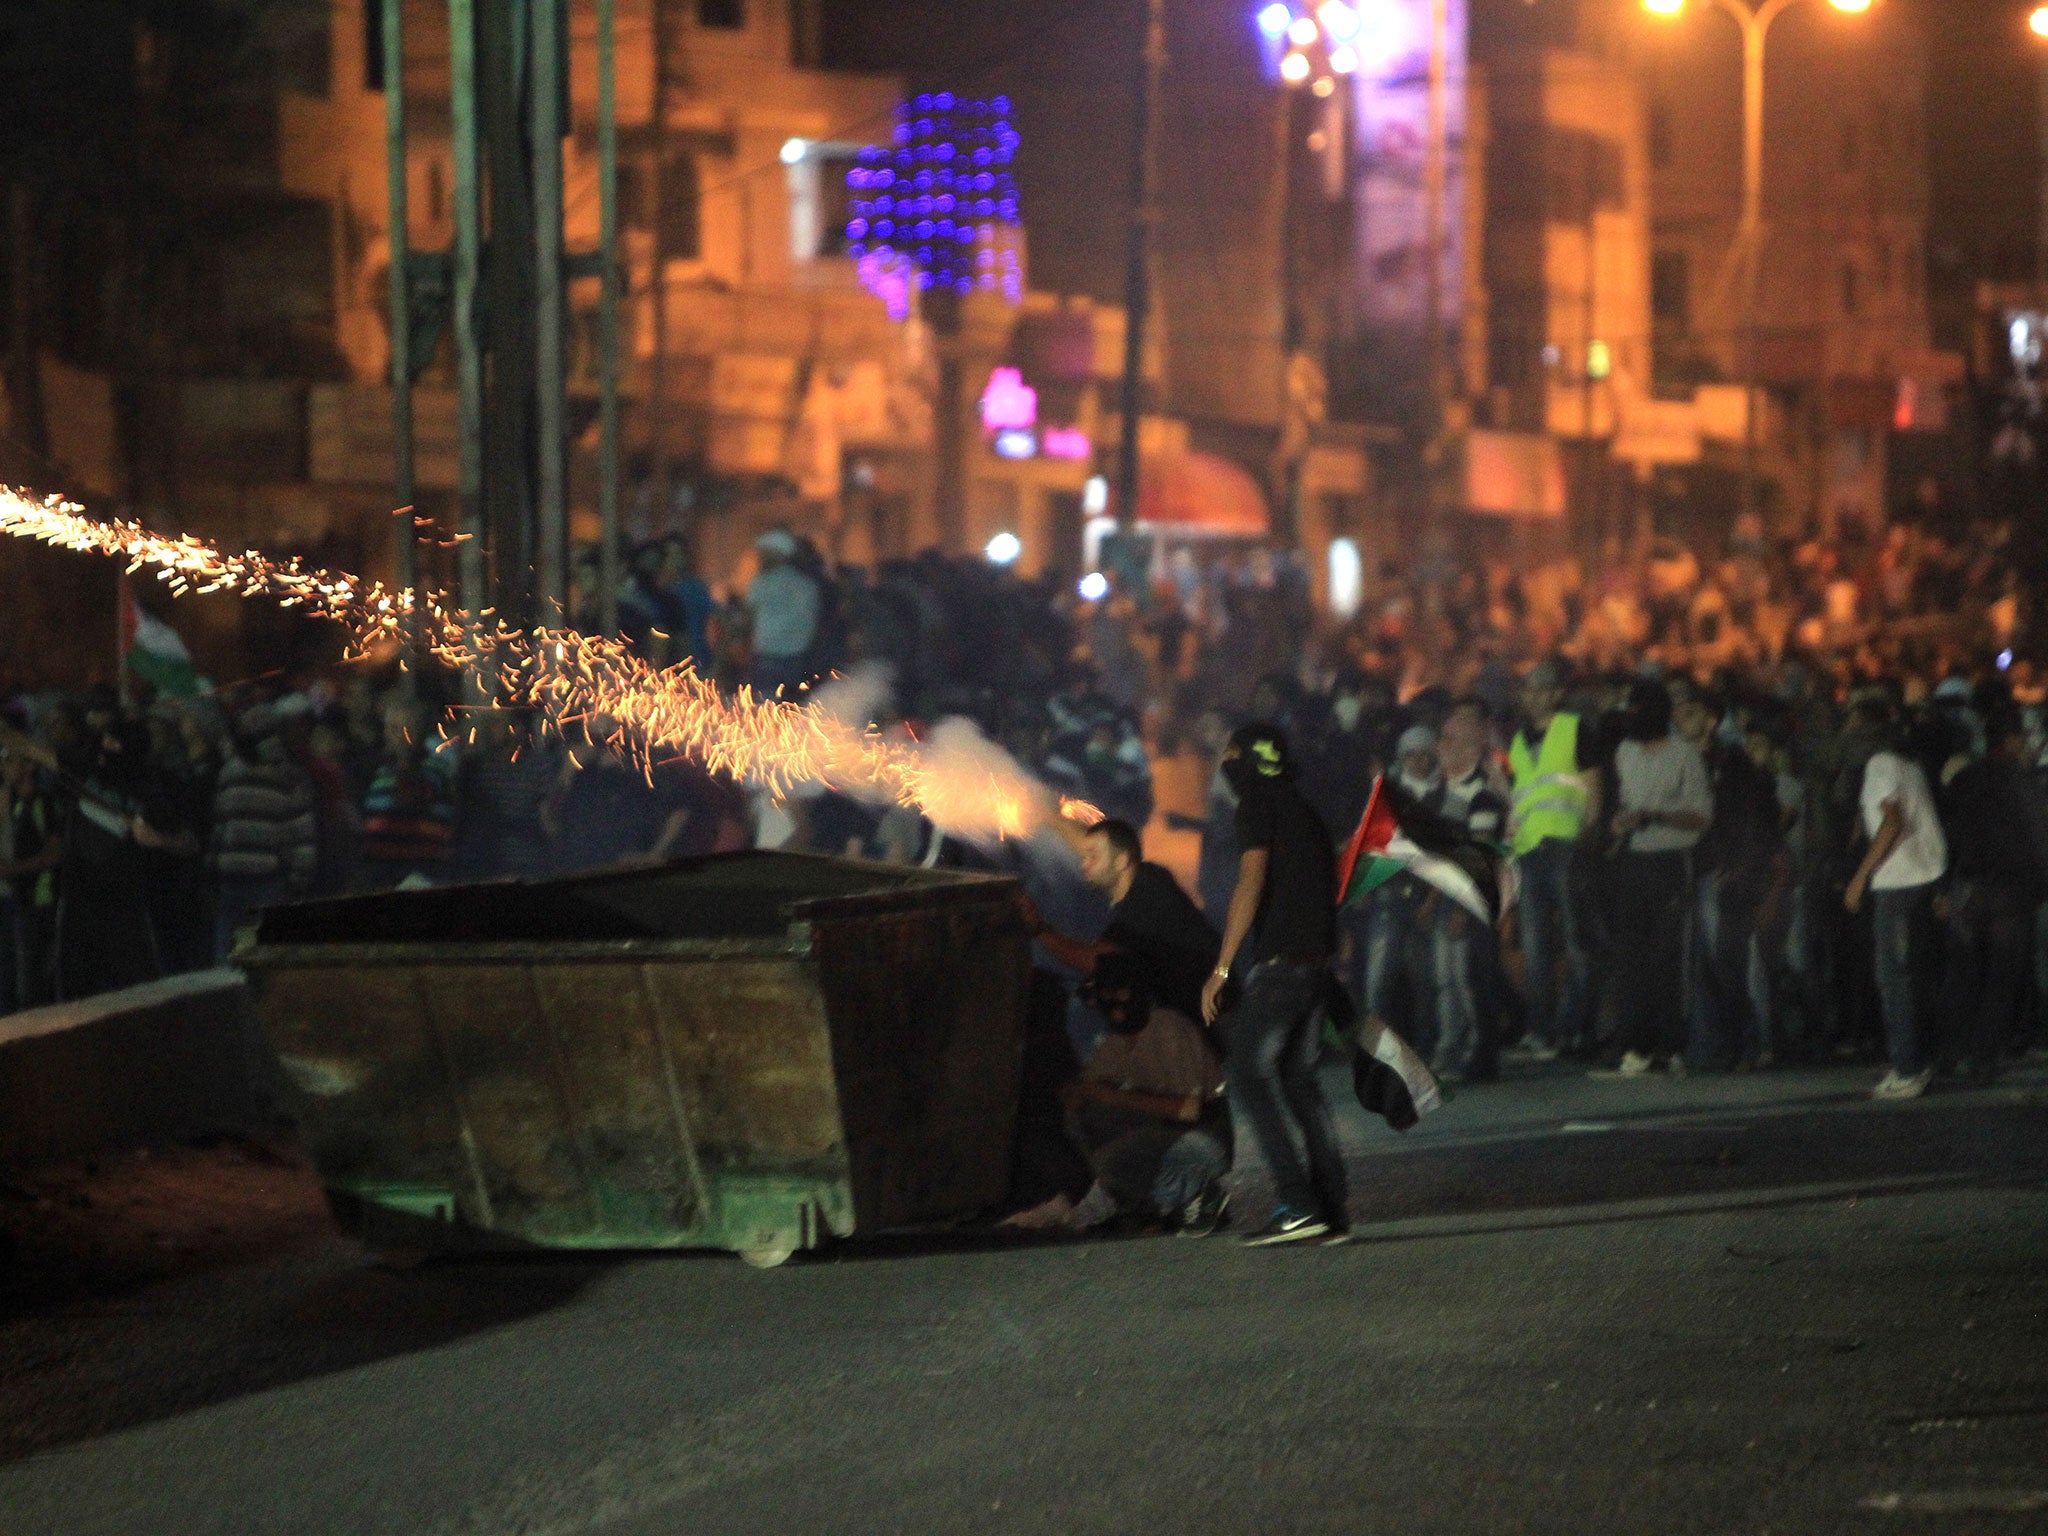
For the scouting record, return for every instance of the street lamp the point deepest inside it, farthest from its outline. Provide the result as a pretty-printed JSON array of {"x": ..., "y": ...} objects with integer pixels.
[
  {"x": 2039, "y": 21},
  {"x": 1321, "y": 41},
  {"x": 1754, "y": 18},
  {"x": 1318, "y": 45}
]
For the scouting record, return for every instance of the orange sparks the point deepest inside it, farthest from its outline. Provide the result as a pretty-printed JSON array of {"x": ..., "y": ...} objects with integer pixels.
[{"x": 586, "y": 684}]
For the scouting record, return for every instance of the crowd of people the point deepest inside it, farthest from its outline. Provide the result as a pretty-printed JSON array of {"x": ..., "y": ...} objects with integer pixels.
[{"x": 1783, "y": 806}]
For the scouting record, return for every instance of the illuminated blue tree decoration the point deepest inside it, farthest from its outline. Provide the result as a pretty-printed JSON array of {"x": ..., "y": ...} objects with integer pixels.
[{"x": 937, "y": 206}]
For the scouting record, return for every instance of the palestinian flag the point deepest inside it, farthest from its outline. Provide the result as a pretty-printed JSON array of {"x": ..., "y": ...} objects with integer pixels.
[
  {"x": 1398, "y": 836},
  {"x": 1391, "y": 1081},
  {"x": 153, "y": 651}
]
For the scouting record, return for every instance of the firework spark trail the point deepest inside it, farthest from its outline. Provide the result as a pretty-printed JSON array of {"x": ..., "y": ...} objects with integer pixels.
[{"x": 588, "y": 683}]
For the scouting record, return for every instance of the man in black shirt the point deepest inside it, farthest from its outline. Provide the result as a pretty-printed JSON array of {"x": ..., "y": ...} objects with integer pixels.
[
  {"x": 1150, "y": 917},
  {"x": 1742, "y": 870},
  {"x": 1998, "y": 871},
  {"x": 1283, "y": 916}
]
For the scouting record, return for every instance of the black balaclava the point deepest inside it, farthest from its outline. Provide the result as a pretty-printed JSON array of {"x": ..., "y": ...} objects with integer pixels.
[{"x": 1262, "y": 759}]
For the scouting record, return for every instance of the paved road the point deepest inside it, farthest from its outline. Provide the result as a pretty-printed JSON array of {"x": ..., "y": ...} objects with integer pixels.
[{"x": 1718, "y": 1306}]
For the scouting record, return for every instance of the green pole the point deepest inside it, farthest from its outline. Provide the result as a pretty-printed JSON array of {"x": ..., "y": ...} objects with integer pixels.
[
  {"x": 608, "y": 319},
  {"x": 469, "y": 373},
  {"x": 551, "y": 402},
  {"x": 400, "y": 285}
]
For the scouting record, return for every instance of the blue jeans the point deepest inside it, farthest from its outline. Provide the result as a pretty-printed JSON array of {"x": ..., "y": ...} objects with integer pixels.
[
  {"x": 1902, "y": 937},
  {"x": 1272, "y": 1075},
  {"x": 1391, "y": 989},
  {"x": 1466, "y": 959},
  {"x": 1158, "y": 1170},
  {"x": 1726, "y": 1028},
  {"x": 1551, "y": 938}
]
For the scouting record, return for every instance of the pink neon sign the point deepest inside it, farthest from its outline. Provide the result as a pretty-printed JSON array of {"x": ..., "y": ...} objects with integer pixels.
[{"x": 1009, "y": 404}]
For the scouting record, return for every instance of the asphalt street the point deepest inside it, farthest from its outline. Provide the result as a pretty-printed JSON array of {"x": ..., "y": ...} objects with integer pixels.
[{"x": 1742, "y": 1304}]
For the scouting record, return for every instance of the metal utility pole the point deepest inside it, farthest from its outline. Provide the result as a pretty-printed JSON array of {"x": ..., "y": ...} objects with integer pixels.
[
  {"x": 1753, "y": 18},
  {"x": 406, "y": 532},
  {"x": 1435, "y": 174},
  {"x": 655, "y": 413},
  {"x": 608, "y": 319},
  {"x": 508, "y": 321},
  {"x": 551, "y": 402},
  {"x": 1138, "y": 276},
  {"x": 469, "y": 371}
]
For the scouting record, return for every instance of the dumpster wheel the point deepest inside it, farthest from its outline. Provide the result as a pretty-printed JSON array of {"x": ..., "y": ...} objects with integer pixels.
[{"x": 769, "y": 1257}]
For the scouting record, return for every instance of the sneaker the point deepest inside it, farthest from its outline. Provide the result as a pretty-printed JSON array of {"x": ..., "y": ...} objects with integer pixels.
[
  {"x": 1894, "y": 1086},
  {"x": 1529, "y": 1048},
  {"x": 1635, "y": 1064},
  {"x": 1206, "y": 1213},
  {"x": 1287, "y": 1226},
  {"x": 1676, "y": 1066}
]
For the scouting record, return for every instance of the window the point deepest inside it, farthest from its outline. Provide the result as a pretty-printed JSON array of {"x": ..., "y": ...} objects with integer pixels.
[
  {"x": 680, "y": 232},
  {"x": 1663, "y": 135},
  {"x": 725, "y": 15},
  {"x": 1671, "y": 288},
  {"x": 373, "y": 45},
  {"x": 1852, "y": 289},
  {"x": 1585, "y": 175},
  {"x": 835, "y": 202}
]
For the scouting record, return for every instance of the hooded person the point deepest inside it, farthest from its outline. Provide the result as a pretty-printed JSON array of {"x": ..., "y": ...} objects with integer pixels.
[{"x": 1281, "y": 933}]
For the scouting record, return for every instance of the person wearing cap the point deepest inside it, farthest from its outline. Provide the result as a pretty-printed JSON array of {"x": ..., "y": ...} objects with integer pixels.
[
  {"x": 1556, "y": 782},
  {"x": 785, "y": 605},
  {"x": 1283, "y": 921}
]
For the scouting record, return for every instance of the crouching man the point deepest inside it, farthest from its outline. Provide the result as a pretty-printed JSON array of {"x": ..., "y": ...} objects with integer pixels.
[{"x": 1148, "y": 1111}]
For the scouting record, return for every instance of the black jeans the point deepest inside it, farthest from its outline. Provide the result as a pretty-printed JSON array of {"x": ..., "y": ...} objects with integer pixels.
[
  {"x": 1652, "y": 898},
  {"x": 1990, "y": 939},
  {"x": 1272, "y": 1075}
]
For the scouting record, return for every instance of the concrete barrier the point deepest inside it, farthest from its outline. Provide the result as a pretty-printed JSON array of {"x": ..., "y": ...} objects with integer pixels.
[{"x": 169, "y": 1061}]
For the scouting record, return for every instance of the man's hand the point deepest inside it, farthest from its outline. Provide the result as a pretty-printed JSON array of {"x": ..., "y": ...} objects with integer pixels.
[
  {"x": 1212, "y": 997},
  {"x": 1852, "y": 898},
  {"x": 1034, "y": 920}
]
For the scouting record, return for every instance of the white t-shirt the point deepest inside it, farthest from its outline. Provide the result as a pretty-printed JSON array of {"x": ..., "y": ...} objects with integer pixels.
[{"x": 1922, "y": 854}]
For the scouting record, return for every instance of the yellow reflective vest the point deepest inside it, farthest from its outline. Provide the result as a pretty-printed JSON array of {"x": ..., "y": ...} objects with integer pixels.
[{"x": 1551, "y": 798}]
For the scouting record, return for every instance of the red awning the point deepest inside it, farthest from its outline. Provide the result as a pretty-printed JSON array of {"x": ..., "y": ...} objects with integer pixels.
[{"x": 1199, "y": 493}]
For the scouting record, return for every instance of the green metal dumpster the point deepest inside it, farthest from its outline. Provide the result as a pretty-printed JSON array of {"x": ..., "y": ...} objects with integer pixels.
[{"x": 753, "y": 1051}]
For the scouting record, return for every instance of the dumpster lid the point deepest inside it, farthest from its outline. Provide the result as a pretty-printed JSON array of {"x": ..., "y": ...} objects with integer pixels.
[{"x": 752, "y": 894}]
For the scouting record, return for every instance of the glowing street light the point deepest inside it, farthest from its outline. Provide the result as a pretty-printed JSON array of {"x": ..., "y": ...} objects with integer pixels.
[
  {"x": 1339, "y": 20},
  {"x": 2038, "y": 22},
  {"x": 1275, "y": 19},
  {"x": 1754, "y": 18},
  {"x": 1303, "y": 32},
  {"x": 1294, "y": 68}
]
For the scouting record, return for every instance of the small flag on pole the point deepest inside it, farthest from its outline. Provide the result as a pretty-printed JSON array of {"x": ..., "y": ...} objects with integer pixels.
[
  {"x": 154, "y": 652},
  {"x": 1397, "y": 836}
]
